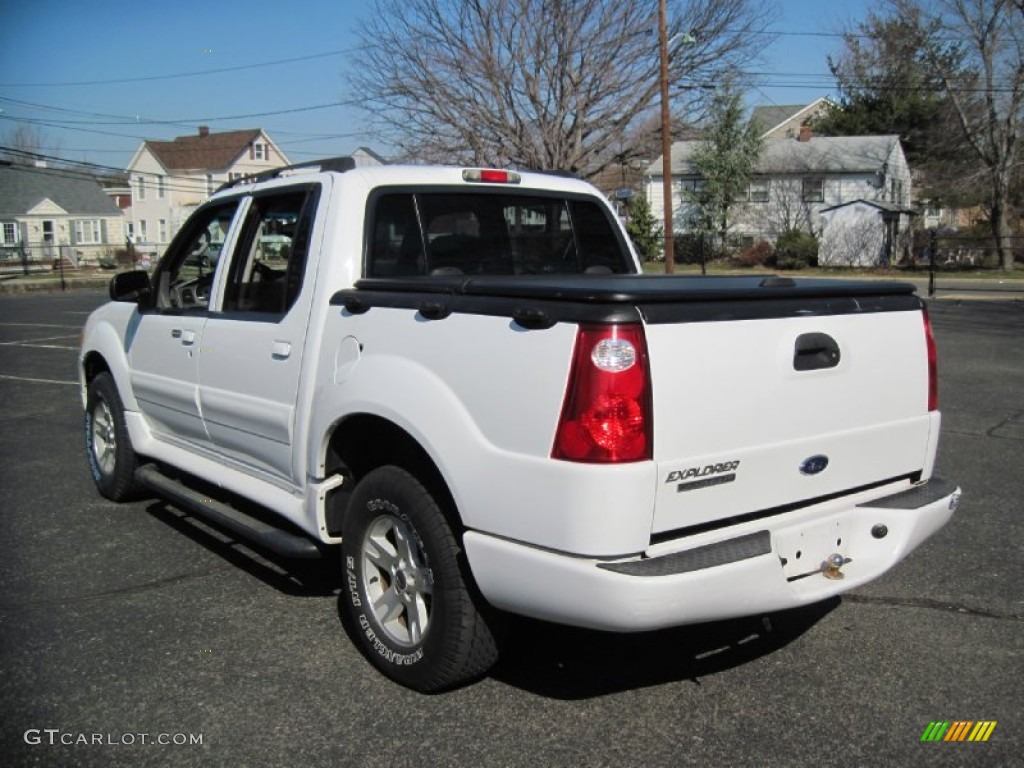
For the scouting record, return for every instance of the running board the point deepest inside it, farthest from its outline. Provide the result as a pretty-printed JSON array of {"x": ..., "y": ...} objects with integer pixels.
[{"x": 246, "y": 526}]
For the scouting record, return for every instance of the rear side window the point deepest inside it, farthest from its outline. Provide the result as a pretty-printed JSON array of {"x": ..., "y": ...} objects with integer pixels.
[
  {"x": 267, "y": 269},
  {"x": 477, "y": 233}
]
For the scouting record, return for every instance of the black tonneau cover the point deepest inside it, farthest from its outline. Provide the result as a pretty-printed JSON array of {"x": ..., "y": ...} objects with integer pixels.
[
  {"x": 637, "y": 289},
  {"x": 541, "y": 301}
]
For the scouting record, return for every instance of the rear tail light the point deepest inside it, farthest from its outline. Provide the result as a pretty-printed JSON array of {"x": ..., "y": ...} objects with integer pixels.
[
  {"x": 606, "y": 417},
  {"x": 933, "y": 378}
]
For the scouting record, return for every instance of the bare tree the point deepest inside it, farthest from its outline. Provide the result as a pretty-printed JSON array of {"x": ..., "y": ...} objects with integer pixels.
[
  {"x": 987, "y": 90},
  {"x": 786, "y": 209},
  {"x": 22, "y": 143},
  {"x": 546, "y": 84}
]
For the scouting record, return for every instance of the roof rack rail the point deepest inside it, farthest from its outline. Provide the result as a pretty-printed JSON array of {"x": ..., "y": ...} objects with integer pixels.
[
  {"x": 555, "y": 172},
  {"x": 337, "y": 164}
]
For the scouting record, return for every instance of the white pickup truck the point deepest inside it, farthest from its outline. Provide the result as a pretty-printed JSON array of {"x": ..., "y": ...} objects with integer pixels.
[{"x": 461, "y": 379}]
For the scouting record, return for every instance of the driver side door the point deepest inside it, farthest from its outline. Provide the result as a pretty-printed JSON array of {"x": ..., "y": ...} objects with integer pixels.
[{"x": 164, "y": 348}]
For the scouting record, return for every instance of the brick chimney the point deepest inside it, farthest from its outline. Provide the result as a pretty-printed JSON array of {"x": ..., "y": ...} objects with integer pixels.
[
  {"x": 805, "y": 133},
  {"x": 204, "y": 130}
]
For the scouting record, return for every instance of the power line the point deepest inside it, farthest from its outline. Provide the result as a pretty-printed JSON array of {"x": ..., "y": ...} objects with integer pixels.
[
  {"x": 286, "y": 142},
  {"x": 84, "y": 169},
  {"x": 196, "y": 73},
  {"x": 185, "y": 122}
]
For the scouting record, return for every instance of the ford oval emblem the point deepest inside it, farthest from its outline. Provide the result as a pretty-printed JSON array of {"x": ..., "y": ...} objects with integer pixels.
[{"x": 814, "y": 465}]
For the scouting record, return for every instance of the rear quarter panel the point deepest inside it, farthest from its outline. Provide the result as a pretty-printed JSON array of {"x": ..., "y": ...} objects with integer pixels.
[{"x": 483, "y": 396}]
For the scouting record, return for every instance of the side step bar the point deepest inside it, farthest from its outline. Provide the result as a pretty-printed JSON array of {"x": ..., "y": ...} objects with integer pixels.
[{"x": 258, "y": 532}]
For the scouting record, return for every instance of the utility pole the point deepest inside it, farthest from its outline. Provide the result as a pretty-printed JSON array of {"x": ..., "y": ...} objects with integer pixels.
[{"x": 666, "y": 138}]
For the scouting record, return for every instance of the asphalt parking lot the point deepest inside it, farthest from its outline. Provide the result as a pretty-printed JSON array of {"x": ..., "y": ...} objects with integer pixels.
[{"x": 126, "y": 625}]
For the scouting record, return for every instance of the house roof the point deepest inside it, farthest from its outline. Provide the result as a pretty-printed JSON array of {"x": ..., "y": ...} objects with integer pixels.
[
  {"x": 22, "y": 188},
  {"x": 214, "y": 151},
  {"x": 881, "y": 205},
  {"x": 771, "y": 118},
  {"x": 820, "y": 154},
  {"x": 369, "y": 153}
]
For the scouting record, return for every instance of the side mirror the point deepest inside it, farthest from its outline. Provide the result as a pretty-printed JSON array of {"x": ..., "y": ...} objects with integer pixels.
[{"x": 130, "y": 286}]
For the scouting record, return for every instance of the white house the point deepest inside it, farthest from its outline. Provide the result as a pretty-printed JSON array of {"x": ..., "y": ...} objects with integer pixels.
[
  {"x": 51, "y": 214},
  {"x": 170, "y": 178},
  {"x": 795, "y": 181}
]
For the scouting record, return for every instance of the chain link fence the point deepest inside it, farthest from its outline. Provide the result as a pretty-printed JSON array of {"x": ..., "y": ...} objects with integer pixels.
[{"x": 27, "y": 260}]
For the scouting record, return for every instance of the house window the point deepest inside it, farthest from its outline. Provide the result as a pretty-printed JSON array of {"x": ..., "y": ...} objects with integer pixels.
[
  {"x": 141, "y": 193},
  {"x": 692, "y": 189},
  {"x": 235, "y": 176},
  {"x": 160, "y": 188},
  {"x": 162, "y": 228},
  {"x": 129, "y": 231},
  {"x": 143, "y": 234},
  {"x": 896, "y": 191},
  {"x": 88, "y": 231},
  {"x": 9, "y": 233},
  {"x": 757, "y": 191},
  {"x": 209, "y": 184},
  {"x": 259, "y": 151},
  {"x": 813, "y": 189}
]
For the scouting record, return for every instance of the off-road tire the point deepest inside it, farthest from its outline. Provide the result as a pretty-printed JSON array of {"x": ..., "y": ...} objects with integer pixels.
[
  {"x": 112, "y": 459},
  {"x": 406, "y": 598}
]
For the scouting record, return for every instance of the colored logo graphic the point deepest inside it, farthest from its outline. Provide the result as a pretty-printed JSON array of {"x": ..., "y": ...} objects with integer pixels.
[{"x": 959, "y": 730}]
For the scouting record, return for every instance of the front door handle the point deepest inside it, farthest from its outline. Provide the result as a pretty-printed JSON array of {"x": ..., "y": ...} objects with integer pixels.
[{"x": 187, "y": 337}]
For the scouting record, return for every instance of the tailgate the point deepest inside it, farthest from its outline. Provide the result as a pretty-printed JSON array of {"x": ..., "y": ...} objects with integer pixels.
[{"x": 759, "y": 413}]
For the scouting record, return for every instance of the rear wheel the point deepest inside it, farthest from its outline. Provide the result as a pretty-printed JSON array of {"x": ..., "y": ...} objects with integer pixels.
[
  {"x": 406, "y": 600},
  {"x": 111, "y": 457}
]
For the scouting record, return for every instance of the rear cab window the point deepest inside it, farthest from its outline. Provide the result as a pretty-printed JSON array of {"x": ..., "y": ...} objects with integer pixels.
[{"x": 447, "y": 232}]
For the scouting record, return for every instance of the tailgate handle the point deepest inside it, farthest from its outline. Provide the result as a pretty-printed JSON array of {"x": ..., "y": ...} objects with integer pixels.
[{"x": 815, "y": 351}]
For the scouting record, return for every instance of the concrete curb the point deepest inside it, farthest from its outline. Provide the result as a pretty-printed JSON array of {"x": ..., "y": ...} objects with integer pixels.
[{"x": 14, "y": 286}]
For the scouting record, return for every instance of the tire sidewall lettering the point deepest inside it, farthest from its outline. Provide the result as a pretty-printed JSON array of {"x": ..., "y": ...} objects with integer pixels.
[
  {"x": 90, "y": 449},
  {"x": 385, "y": 651}
]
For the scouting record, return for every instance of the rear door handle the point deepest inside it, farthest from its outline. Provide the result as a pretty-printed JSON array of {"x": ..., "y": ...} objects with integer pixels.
[
  {"x": 187, "y": 337},
  {"x": 281, "y": 350}
]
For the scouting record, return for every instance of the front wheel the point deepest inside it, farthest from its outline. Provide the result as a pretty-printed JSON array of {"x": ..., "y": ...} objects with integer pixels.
[
  {"x": 111, "y": 457},
  {"x": 406, "y": 600}
]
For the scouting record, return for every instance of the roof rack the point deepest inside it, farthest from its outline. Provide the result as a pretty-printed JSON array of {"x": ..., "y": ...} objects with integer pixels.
[
  {"x": 337, "y": 164},
  {"x": 555, "y": 172}
]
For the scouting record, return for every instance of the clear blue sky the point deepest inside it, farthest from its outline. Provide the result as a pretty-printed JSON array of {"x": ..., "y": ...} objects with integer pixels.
[{"x": 43, "y": 42}]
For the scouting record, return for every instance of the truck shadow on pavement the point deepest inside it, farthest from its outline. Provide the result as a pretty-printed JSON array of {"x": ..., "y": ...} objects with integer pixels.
[
  {"x": 546, "y": 659},
  {"x": 569, "y": 663}
]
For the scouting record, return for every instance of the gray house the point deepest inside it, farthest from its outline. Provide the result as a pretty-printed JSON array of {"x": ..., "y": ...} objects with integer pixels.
[
  {"x": 51, "y": 213},
  {"x": 795, "y": 181}
]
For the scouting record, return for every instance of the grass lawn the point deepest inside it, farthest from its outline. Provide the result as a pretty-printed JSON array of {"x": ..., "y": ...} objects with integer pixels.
[{"x": 721, "y": 268}]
